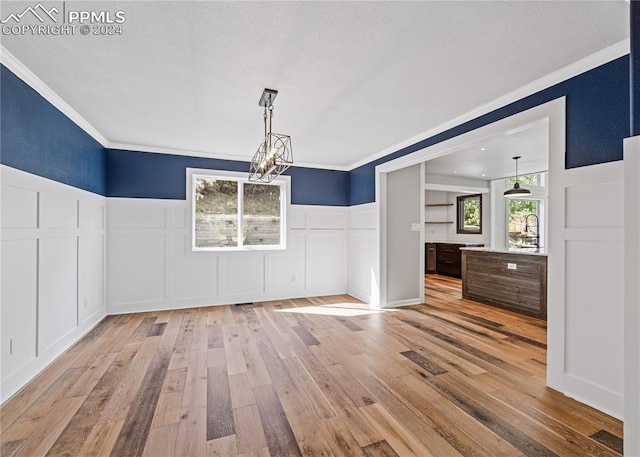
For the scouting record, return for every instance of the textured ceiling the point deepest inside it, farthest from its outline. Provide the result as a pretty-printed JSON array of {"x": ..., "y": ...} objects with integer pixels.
[
  {"x": 492, "y": 157},
  {"x": 355, "y": 78}
]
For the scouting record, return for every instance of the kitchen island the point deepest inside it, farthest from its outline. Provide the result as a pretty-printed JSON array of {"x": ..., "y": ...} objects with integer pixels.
[{"x": 514, "y": 280}]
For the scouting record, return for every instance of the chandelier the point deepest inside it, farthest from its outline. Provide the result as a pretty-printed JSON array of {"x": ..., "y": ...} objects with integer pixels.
[{"x": 274, "y": 155}]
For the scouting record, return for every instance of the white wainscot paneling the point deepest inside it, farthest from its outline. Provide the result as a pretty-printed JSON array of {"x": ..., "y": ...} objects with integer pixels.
[
  {"x": 179, "y": 218},
  {"x": 19, "y": 282},
  {"x": 58, "y": 212},
  {"x": 90, "y": 276},
  {"x": 19, "y": 207},
  {"x": 286, "y": 269},
  {"x": 296, "y": 220},
  {"x": 151, "y": 265},
  {"x": 57, "y": 295},
  {"x": 362, "y": 218},
  {"x": 361, "y": 261},
  {"x": 595, "y": 322},
  {"x": 136, "y": 213},
  {"x": 242, "y": 274},
  {"x": 325, "y": 220},
  {"x": 139, "y": 267},
  {"x": 586, "y": 207},
  {"x": 91, "y": 216},
  {"x": 194, "y": 274},
  {"x": 326, "y": 262},
  {"x": 52, "y": 254},
  {"x": 362, "y": 255}
]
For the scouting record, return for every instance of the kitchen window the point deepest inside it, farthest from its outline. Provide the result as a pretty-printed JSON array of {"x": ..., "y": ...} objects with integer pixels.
[{"x": 469, "y": 211}]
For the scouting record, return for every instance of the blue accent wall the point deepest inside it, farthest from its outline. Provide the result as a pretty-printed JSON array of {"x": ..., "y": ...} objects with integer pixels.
[
  {"x": 133, "y": 174},
  {"x": 37, "y": 138},
  {"x": 634, "y": 66},
  {"x": 598, "y": 117}
]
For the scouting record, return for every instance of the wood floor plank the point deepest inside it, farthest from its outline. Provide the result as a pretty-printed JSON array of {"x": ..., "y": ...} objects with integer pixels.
[
  {"x": 613, "y": 442},
  {"x": 94, "y": 373},
  {"x": 319, "y": 376},
  {"x": 157, "y": 329},
  {"x": 249, "y": 432},
  {"x": 219, "y": 409},
  {"x": 308, "y": 433},
  {"x": 101, "y": 439},
  {"x": 340, "y": 438},
  {"x": 133, "y": 437},
  {"x": 310, "y": 392},
  {"x": 280, "y": 438},
  {"x": 222, "y": 447},
  {"x": 49, "y": 428},
  {"x": 394, "y": 432},
  {"x": 305, "y": 335},
  {"x": 161, "y": 441},
  {"x": 379, "y": 449},
  {"x": 424, "y": 363},
  {"x": 8, "y": 448},
  {"x": 192, "y": 429},
  {"x": 415, "y": 423},
  {"x": 30, "y": 419}
]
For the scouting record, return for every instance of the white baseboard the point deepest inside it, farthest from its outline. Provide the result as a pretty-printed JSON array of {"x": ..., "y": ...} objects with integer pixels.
[
  {"x": 21, "y": 377},
  {"x": 605, "y": 400}
]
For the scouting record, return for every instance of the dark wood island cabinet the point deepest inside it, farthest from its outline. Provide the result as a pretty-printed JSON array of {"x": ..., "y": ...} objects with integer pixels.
[{"x": 512, "y": 280}]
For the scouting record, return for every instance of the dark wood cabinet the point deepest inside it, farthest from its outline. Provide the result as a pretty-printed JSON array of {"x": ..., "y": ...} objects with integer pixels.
[
  {"x": 430, "y": 258},
  {"x": 449, "y": 259},
  {"x": 444, "y": 258}
]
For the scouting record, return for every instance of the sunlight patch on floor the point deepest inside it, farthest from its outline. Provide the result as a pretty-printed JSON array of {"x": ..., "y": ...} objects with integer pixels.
[{"x": 338, "y": 309}]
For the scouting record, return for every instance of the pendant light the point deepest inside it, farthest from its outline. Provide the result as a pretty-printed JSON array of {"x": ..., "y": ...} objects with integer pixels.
[
  {"x": 517, "y": 190},
  {"x": 274, "y": 155}
]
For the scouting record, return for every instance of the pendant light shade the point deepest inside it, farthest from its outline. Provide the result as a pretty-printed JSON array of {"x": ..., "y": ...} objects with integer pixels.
[{"x": 516, "y": 191}]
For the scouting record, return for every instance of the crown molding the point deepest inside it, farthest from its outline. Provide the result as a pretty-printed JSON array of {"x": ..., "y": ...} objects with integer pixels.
[
  {"x": 26, "y": 75},
  {"x": 590, "y": 62},
  {"x": 208, "y": 155}
]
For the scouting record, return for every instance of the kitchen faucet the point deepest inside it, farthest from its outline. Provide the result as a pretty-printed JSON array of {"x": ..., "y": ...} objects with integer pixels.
[{"x": 536, "y": 225}]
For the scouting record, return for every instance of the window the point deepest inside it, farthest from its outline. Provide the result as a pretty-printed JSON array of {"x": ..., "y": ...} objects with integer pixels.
[
  {"x": 470, "y": 214},
  {"x": 525, "y": 229},
  {"x": 534, "y": 179},
  {"x": 230, "y": 213}
]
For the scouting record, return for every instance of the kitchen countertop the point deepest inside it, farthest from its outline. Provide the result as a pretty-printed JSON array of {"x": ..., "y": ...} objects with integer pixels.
[
  {"x": 455, "y": 242},
  {"x": 525, "y": 251}
]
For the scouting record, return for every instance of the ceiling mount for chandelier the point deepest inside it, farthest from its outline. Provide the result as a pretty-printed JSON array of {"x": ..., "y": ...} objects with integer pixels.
[{"x": 274, "y": 155}]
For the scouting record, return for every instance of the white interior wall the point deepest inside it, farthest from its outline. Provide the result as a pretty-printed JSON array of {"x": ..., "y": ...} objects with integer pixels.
[
  {"x": 632, "y": 297},
  {"x": 151, "y": 265},
  {"x": 53, "y": 271},
  {"x": 498, "y": 238},
  {"x": 403, "y": 207}
]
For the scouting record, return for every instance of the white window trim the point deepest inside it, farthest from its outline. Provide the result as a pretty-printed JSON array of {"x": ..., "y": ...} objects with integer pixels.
[{"x": 285, "y": 200}]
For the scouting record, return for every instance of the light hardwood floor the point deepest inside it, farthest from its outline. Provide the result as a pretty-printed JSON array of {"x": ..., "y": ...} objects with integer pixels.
[{"x": 318, "y": 377}]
